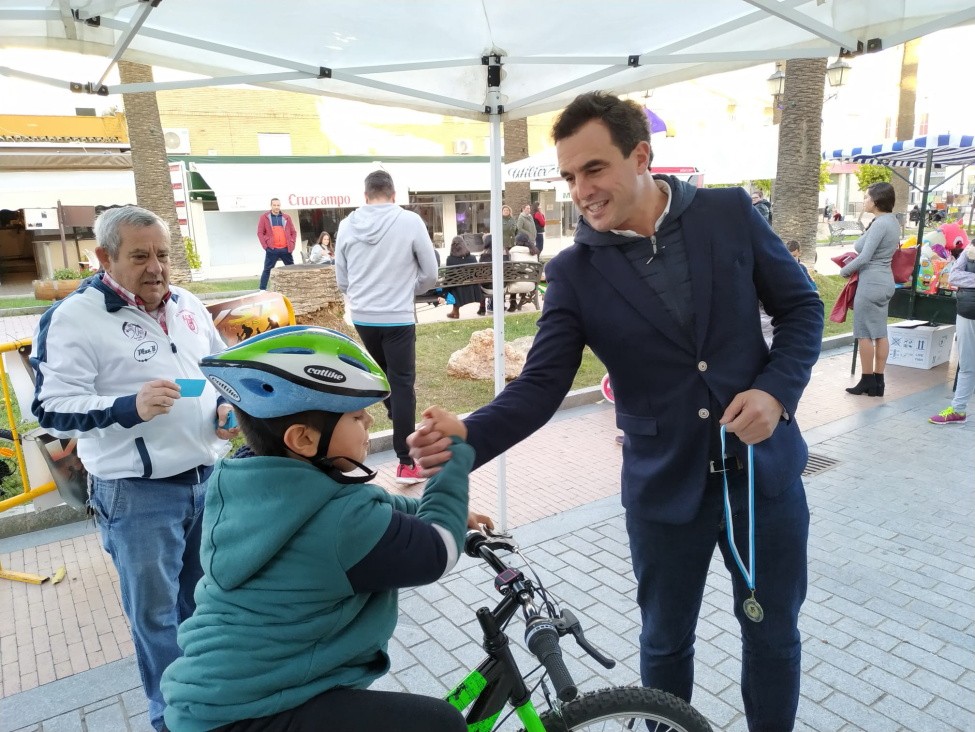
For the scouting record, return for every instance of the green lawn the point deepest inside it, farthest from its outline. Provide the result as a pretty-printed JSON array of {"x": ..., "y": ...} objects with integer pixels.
[
  {"x": 434, "y": 344},
  {"x": 199, "y": 288},
  {"x": 10, "y": 303},
  {"x": 205, "y": 286}
]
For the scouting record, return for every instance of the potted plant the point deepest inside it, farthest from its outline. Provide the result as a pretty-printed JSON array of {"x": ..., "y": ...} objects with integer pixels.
[
  {"x": 62, "y": 283},
  {"x": 192, "y": 257}
]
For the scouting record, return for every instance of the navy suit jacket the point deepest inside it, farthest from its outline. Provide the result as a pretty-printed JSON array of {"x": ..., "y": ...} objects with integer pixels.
[{"x": 664, "y": 386}]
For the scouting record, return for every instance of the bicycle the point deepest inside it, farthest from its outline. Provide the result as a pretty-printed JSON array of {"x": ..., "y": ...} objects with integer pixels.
[{"x": 497, "y": 680}]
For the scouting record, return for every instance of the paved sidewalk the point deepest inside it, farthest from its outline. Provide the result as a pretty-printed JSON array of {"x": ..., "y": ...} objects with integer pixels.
[{"x": 888, "y": 627}]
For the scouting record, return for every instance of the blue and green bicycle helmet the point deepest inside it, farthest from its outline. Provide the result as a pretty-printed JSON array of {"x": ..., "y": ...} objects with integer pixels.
[{"x": 295, "y": 369}]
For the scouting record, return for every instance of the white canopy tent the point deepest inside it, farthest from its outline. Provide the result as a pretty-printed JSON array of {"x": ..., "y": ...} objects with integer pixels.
[{"x": 483, "y": 59}]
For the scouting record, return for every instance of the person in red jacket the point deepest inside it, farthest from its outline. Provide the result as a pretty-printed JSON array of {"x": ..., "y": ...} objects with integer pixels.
[
  {"x": 539, "y": 218},
  {"x": 277, "y": 234}
]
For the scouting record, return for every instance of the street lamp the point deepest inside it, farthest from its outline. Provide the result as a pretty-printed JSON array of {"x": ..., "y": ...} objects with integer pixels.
[
  {"x": 838, "y": 72},
  {"x": 776, "y": 83}
]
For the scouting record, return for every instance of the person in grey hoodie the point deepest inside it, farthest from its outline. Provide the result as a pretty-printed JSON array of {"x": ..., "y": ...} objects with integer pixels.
[{"x": 383, "y": 259}]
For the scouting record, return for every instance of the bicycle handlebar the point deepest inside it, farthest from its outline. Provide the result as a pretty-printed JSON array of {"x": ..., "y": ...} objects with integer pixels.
[
  {"x": 541, "y": 632},
  {"x": 542, "y": 640}
]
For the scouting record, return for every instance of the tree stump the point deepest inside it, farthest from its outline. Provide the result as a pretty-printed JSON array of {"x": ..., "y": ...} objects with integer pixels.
[{"x": 314, "y": 295}]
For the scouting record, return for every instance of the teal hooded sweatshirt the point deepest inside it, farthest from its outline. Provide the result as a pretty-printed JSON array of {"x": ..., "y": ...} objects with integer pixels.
[{"x": 277, "y": 621}]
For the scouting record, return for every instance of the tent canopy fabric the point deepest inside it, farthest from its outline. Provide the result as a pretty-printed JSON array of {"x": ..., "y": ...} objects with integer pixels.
[
  {"x": 476, "y": 56},
  {"x": 944, "y": 150}
]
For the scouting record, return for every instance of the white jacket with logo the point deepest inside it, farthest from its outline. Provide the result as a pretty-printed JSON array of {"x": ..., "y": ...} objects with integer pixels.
[{"x": 92, "y": 353}]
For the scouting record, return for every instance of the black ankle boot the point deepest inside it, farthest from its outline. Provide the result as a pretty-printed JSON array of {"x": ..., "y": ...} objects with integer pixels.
[
  {"x": 867, "y": 385},
  {"x": 880, "y": 385}
]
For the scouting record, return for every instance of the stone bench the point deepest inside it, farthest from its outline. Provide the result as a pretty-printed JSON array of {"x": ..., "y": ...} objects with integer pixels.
[{"x": 838, "y": 230}]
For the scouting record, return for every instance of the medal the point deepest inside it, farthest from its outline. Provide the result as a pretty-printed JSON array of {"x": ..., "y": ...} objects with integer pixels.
[{"x": 753, "y": 611}]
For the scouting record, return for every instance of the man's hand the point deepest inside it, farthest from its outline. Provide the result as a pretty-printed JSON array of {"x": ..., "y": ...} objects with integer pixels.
[
  {"x": 155, "y": 398},
  {"x": 429, "y": 443},
  {"x": 753, "y": 415},
  {"x": 223, "y": 414}
]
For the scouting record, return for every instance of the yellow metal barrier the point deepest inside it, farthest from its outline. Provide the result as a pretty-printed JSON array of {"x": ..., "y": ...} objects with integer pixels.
[{"x": 17, "y": 452}]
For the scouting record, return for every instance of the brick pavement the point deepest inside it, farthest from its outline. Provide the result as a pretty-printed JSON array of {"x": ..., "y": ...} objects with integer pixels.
[{"x": 60, "y": 632}]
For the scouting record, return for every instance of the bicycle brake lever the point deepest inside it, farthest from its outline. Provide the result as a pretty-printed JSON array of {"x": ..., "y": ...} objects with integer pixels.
[
  {"x": 500, "y": 540},
  {"x": 569, "y": 623}
]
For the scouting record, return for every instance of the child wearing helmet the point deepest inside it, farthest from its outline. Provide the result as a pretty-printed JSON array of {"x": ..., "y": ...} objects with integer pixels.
[{"x": 302, "y": 558}]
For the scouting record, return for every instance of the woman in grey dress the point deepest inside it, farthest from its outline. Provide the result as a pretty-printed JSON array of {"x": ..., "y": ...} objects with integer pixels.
[{"x": 875, "y": 287}]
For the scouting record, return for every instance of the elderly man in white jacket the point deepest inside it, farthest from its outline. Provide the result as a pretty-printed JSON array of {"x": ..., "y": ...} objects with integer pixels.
[{"x": 117, "y": 368}]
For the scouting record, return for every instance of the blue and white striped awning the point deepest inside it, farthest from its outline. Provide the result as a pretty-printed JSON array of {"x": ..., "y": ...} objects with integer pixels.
[{"x": 945, "y": 149}]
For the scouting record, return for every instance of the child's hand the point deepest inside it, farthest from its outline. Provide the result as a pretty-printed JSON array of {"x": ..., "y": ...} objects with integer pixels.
[
  {"x": 440, "y": 420},
  {"x": 476, "y": 520}
]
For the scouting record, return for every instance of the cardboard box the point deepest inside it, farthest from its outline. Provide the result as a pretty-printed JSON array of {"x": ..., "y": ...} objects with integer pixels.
[{"x": 919, "y": 345}]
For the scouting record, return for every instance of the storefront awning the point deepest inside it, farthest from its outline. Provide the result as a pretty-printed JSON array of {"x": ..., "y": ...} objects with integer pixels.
[
  {"x": 44, "y": 188},
  {"x": 944, "y": 150},
  {"x": 251, "y": 186}
]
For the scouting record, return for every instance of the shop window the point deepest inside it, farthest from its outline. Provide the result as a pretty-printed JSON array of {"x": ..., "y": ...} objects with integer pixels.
[
  {"x": 473, "y": 211},
  {"x": 429, "y": 207}
]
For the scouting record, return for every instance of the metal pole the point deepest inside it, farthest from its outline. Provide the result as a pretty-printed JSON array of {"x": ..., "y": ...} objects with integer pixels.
[
  {"x": 497, "y": 281},
  {"x": 64, "y": 243},
  {"x": 920, "y": 230}
]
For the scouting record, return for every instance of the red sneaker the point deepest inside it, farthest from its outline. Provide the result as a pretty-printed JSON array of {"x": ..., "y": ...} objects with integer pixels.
[
  {"x": 408, "y": 474},
  {"x": 948, "y": 416}
]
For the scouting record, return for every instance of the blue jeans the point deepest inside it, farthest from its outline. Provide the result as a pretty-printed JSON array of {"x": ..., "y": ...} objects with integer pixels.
[
  {"x": 671, "y": 567},
  {"x": 965, "y": 328},
  {"x": 271, "y": 257},
  {"x": 151, "y": 529}
]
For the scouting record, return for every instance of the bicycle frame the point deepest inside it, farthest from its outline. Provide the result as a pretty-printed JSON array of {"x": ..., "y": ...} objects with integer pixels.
[{"x": 497, "y": 679}]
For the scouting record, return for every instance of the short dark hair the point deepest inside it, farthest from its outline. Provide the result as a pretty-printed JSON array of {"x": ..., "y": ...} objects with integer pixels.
[
  {"x": 792, "y": 245},
  {"x": 883, "y": 196},
  {"x": 625, "y": 119},
  {"x": 486, "y": 240},
  {"x": 522, "y": 239},
  {"x": 266, "y": 436},
  {"x": 379, "y": 183}
]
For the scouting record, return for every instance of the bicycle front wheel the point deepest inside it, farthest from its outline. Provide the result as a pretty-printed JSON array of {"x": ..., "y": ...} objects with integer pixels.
[{"x": 621, "y": 708}]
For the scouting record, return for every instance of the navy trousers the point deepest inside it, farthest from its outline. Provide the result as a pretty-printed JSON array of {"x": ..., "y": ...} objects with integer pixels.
[
  {"x": 671, "y": 566},
  {"x": 271, "y": 257}
]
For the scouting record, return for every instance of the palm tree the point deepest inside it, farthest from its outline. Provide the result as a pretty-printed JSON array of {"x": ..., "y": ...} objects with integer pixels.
[
  {"x": 905, "y": 113},
  {"x": 516, "y": 195},
  {"x": 797, "y": 170},
  {"x": 153, "y": 187}
]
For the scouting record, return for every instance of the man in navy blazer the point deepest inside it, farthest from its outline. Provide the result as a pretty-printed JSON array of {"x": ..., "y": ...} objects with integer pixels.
[{"x": 664, "y": 283}]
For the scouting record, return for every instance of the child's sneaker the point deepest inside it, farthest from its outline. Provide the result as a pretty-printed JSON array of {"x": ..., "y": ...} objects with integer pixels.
[
  {"x": 948, "y": 416},
  {"x": 408, "y": 474}
]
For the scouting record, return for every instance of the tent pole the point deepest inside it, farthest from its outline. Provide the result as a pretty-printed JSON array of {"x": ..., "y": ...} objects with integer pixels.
[
  {"x": 497, "y": 280},
  {"x": 925, "y": 189}
]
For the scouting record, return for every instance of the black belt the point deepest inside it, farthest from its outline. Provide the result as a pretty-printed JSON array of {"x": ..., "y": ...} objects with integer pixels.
[{"x": 728, "y": 464}]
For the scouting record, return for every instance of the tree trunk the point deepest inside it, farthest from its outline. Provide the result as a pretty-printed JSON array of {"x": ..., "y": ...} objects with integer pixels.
[
  {"x": 516, "y": 195},
  {"x": 153, "y": 187},
  {"x": 796, "y": 201},
  {"x": 905, "y": 115}
]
